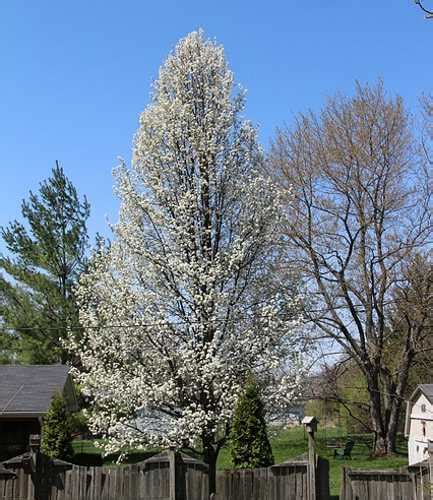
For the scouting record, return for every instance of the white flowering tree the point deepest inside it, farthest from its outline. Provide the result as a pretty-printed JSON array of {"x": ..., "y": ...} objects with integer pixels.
[{"x": 181, "y": 307}]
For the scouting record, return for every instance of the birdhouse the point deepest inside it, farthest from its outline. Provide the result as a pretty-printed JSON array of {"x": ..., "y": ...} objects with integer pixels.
[
  {"x": 35, "y": 442},
  {"x": 310, "y": 424}
]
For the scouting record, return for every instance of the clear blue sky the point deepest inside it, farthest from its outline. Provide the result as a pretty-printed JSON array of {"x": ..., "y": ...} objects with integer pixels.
[{"x": 76, "y": 75}]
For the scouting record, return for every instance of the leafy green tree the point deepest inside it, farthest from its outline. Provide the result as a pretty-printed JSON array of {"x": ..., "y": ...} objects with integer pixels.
[
  {"x": 250, "y": 446},
  {"x": 45, "y": 257},
  {"x": 56, "y": 434}
]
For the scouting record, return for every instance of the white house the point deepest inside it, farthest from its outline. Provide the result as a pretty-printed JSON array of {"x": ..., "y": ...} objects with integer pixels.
[{"x": 419, "y": 422}]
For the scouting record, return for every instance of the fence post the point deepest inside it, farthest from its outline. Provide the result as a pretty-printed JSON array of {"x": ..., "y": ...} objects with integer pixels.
[
  {"x": 32, "y": 465},
  {"x": 343, "y": 483},
  {"x": 310, "y": 424},
  {"x": 35, "y": 448},
  {"x": 430, "y": 466},
  {"x": 172, "y": 465}
]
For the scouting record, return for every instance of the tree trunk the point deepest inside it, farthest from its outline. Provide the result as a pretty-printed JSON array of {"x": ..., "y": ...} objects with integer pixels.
[
  {"x": 386, "y": 406},
  {"x": 378, "y": 417}
]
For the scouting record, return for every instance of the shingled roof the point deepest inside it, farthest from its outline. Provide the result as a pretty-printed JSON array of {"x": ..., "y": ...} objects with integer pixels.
[
  {"x": 28, "y": 389},
  {"x": 426, "y": 389}
]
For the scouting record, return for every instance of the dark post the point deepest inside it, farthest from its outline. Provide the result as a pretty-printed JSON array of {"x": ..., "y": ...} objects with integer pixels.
[{"x": 31, "y": 463}]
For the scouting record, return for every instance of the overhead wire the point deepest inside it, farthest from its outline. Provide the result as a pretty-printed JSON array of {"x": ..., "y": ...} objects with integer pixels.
[{"x": 287, "y": 316}]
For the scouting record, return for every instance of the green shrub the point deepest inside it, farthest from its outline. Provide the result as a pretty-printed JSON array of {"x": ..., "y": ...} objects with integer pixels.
[
  {"x": 56, "y": 431},
  {"x": 78, "y": 423},
  {"x": 250, "y": 447}
]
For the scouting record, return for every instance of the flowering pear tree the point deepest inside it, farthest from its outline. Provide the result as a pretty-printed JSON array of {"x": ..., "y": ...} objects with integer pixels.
[{"x": 181, "y": 308}]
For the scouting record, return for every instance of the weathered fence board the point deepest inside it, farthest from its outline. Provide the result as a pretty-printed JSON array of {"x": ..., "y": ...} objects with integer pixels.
[
  {"x": 148, "y": 480},
  {"x": 406, "y": 484},
  {"x": 288, "y": 481},
  {"x": 163, "y": 477}
]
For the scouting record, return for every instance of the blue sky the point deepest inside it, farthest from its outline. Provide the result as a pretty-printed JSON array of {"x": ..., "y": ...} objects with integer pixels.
[{"x": 76, "y": 75}]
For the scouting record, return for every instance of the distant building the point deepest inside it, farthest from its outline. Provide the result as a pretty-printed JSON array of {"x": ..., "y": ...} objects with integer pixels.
[
  {"x": 26, "y": 392},
  {"x": 419, "y": 422},
  {"x": 291, "y": 415},
  {"x": 296, "y": 413}
]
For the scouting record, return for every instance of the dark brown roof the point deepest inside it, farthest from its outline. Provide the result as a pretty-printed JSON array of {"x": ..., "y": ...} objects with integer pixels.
[{"x": 28, "y": 389}]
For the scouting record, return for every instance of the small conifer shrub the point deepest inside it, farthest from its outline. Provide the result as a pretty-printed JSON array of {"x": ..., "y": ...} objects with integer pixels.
[
  {"x": 56, "y": 433},
  {"x": 250, "y": 446}
]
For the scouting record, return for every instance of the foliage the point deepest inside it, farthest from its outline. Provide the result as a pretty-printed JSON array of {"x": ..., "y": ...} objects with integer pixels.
[
  {"x": 326, "y": 411},
  {"x": 78, "y": 423},
  {"x": 413, "y": 301},
  {"x": 354, "y": 401},
  {"x": 182, "y": 304},
  {"x": 250, "y": 447},
  {"x": 56, "y": 433},
  {"x": 37, "y": 303},
  {"x": 8, "y": 347},
  {"x": 339, "y": 397}
]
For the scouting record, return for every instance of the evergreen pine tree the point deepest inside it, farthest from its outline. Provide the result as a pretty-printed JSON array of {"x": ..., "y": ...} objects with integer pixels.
[
  {"x": 46, "y": 256},
  {"x": 250, "y": 446},
  {"x": 56, "y": 435}
]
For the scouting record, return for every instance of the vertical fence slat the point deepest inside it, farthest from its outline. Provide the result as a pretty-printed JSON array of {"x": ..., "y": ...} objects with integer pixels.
[{"x": 145, "y": 481}]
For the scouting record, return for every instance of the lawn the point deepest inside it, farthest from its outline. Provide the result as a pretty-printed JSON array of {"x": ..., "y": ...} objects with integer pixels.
[
  {"x": 289, "y": 443},
  {"x": 87, "y": 453},
  {"x": 286, "y": 444}
]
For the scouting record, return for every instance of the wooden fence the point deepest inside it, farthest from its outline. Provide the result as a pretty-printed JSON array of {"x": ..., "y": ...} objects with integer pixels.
[
  {"x": 287, "y": 481},
  {"x": 167, "y": 476},
  {"x": 410, "y": 483}
]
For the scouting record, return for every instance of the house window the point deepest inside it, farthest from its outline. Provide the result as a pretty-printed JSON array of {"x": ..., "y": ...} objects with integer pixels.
[
  {"x": 423, "y": 408},
  {"x": 423, "y": 428}
]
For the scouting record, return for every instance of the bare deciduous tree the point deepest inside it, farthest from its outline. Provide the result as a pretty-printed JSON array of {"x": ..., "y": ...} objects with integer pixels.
[
  {"x": 428, "y": 13},
  {"x": 362, "y": 211}
]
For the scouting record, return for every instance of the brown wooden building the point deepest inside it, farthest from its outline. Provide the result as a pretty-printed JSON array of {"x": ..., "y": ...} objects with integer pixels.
[{"x": 26, "y": 392}]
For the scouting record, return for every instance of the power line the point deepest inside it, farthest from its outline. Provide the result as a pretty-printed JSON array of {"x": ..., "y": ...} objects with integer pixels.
[
  {"x": 186, "y": 322},
  {"x": 286, "y": 317}
]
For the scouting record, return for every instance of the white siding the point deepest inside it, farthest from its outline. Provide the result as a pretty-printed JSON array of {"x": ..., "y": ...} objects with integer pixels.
[
  {"x": 417, "y": 408},
  {"x": 421, "y": 429}
]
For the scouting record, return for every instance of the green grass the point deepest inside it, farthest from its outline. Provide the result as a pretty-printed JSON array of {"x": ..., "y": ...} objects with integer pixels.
[
  {"x": 290, "y": 443},
  {"x": 286, "y": 444},
  {"x": 87, "y": 453}
]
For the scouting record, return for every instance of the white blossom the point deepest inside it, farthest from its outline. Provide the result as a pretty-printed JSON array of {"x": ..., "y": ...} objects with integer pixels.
[{"x": 181, "y": 307}]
